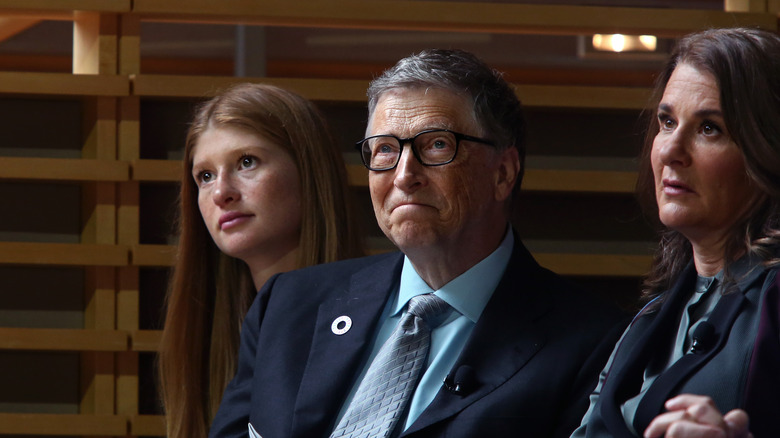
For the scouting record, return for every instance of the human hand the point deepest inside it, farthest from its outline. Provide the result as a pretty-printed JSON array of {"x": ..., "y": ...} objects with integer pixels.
[{"x": 696, "y": 416}]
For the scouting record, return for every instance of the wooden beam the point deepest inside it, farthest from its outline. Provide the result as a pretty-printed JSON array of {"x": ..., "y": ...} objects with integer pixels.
[
  {"x": 145, "y": 340},
  {"x": 603, "y": 265},
  {"x": 450, "y": 16},
  {"x": 542, "y": 180},
  {"x": 209, "y": 86},
  {"x": 562, "y": 96},
  {"x": 63, "y": 84},
  {"x": 65, "y": 7},
  {"x": 350, "y": 90},
  {"x": 745, "y": 5},
  {"x": 63, "y": 169},
  {"x": 153, "y": 255},
  {"x": 63, "y": 254},
  {"x": 95, "y": 43},
  {"x": 12, "y": 338},
  {"x": 156, "y": 170},
  {"x": 11, "y": 26},
  {"x": 147, "y": 425},
  {"x": 62, "y": 424}
]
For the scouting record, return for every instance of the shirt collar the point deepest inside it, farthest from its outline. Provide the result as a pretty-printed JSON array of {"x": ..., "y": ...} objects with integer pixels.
[{"x": 467, "y": 293}]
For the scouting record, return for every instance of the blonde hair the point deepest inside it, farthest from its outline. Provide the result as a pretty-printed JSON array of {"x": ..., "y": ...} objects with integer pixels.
[{"x": 210, "y": 292}]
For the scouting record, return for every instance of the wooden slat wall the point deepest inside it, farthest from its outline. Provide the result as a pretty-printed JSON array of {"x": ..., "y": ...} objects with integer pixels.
[{"x": 107, "y": 76}]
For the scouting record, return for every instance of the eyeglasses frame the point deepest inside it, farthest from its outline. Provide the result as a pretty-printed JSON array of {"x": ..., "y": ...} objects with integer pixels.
[{"x": 410, "y": 140}]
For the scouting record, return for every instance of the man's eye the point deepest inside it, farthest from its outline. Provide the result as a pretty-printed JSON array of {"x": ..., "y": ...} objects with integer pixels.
[
  {"x": 386, "y": 148},
  {"x": 440, "y": 144}
]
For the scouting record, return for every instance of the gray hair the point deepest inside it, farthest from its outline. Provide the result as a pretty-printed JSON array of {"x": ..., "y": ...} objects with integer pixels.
[{"x": 496, "y": 108}]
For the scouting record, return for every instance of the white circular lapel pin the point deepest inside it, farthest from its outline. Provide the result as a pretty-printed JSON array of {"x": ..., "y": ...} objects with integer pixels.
[{"x": 341, "y": 325}]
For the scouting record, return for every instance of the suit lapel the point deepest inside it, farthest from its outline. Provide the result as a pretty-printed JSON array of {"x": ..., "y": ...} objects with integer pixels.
[
  {"x": 652, "y": 403},
  {"x": 625, "y": 378},
  {"x": 722, "y": 319},
  {"x": 334, "y": 359},
  {"x": 496, "y": 358}
]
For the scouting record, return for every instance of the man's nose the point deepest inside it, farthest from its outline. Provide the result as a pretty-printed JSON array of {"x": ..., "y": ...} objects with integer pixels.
[{"x": 409, "y": 171}]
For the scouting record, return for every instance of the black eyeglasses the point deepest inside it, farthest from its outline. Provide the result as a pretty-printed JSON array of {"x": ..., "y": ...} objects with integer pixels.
[{"x": 434, "y": 147}]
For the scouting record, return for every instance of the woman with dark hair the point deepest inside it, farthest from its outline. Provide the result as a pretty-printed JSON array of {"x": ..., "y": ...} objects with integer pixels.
[
  {"x": 708, "y": 341},
  {"x": 264, "y": 190}
]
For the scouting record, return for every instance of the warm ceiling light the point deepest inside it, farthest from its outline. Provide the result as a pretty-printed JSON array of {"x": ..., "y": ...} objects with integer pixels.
[{"x": 624, "y": 43}]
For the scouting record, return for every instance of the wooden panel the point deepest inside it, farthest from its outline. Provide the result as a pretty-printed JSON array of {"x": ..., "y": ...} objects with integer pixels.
[
  {"x": 147, "y": 425},
  {"x": 534, "y": 179},
  {"x": 95, "y": 42},
  {"x": 355, "y": 91},
  {"x": 357, "y": 175},
  {"x": 156, "y": 170},
  {"x": 209, "y": 86},
  {"x": 570, "y": 263},
  {"x": 62, "y": 339},
  {"x": 62, "y": 424},
  {"x": 129, "y": 45},
  {"x": 145, "y": 340},
  {"x": 41, "y": 7},
  {"x": 579, "y": 181},
  {"x": 153, "y": 255},
  {"x": 14, "y": 26},
  {"x": 63, "y": 169},
  {"x": 545, "y": 180},
  {"x": 607, "y": 265},
  {"x": 66, "y": 254},
  {"x": 583, "y": 96},
  {"x": 64, "y": 84},
  {"x": 745, "y": 5},
  {"x": 452, "y": 16}
]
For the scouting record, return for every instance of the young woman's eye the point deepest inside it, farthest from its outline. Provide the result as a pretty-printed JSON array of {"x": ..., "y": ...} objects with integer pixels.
[
  {"x": 248, "y": 161},
  {"x": 204, "y": 177}
]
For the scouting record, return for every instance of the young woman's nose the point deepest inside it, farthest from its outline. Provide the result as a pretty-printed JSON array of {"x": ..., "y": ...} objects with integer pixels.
[{"x": 225, "y": 191}]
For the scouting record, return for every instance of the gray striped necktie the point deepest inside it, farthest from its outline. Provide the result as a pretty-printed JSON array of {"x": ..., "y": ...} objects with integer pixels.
[{"x": 392, "y": 377}]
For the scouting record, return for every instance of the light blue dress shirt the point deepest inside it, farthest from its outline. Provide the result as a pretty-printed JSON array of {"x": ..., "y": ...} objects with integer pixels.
[{"x": 468, "y": 294}]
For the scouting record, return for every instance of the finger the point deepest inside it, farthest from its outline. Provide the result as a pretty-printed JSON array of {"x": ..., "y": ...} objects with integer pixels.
[
  {"x": 706, "y": 413},
  {"x": 738, "y": 423},
  {"x": 689, "y": 429},
  {"x": 684, "y": 401},
  {"x": 661, "y": 423}
]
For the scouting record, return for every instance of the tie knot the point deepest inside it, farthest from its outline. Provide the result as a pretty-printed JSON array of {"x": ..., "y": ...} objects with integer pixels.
[{"x": 430, "y": 308}]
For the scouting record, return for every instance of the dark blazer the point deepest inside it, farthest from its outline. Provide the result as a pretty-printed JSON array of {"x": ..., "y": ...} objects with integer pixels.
[
  {"x": 737, "y": 365},
  {"x": 535, "y": 351}
]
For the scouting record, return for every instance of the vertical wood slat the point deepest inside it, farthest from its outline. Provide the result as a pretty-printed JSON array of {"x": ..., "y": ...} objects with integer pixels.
[
  {"x": 95, "y": 42},
  {"x": 748, "y": 6},
  {"x": 128, "y": 218},
  {"x": 95, "y": 48}
]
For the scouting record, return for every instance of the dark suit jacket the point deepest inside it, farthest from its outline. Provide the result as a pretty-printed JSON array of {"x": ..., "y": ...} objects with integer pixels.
[
  {"x": 536, "y": 352},
  {"x": 738, "y": 366}
]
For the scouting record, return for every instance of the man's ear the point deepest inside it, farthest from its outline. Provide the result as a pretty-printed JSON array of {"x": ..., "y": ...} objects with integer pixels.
[{"x": 506, "y": 173}]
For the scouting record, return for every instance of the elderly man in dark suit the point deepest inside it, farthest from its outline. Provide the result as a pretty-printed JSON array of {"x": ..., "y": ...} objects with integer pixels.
[{"x": 462, "y": 333}]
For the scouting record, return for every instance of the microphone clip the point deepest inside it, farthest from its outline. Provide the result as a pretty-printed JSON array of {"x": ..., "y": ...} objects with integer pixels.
[
  {"x": 703, "y": 337},
  {"x": 463, "y": 381}
]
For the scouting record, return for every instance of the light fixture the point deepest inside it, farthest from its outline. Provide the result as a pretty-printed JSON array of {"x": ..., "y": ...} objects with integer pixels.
[{"x": 624, "y": 43}]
